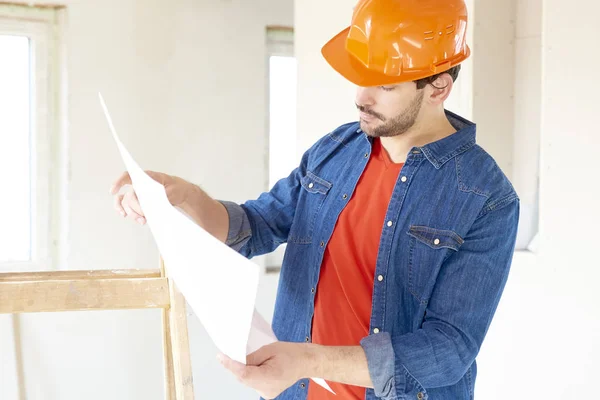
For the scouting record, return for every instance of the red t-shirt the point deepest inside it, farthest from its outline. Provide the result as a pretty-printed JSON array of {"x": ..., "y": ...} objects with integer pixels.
[{"x": 343, "y": 299}]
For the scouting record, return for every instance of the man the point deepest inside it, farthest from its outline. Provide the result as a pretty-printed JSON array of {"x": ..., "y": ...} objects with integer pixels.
[{"x": 400, "y": 229}]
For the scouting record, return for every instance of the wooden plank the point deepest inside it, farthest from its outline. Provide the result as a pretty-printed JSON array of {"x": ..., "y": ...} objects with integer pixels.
[
  {"x": 31, "y": 5},
  {"x": 182, "y": 364},
  {"x": 169, "y": 373},
  {"x": 83, "y": 294},
  {"x": 76, "y": 275},
  {"x": 19, "y": 356},
  {"x": 280, "y": 28}
]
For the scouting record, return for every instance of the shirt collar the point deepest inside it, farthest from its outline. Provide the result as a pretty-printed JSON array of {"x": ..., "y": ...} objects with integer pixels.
[{"x": 443, "y": 150}]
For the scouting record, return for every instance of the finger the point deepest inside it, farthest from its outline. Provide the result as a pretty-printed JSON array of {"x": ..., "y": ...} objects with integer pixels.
[
  {"x": 234, "y": 367},
  {"x": 243, "y": 373},
  {"x": 132, "y": 209},
  {"x": 118, "y": 206},
  {"x": 137, "y": 208},
  {"x": 140, "y": 219},
  {"x": 134, "y": 203},
  {"x": 130, "y": 212},
  {"x": 123, "y": 180},
  {"x": 157, "y": 176}
]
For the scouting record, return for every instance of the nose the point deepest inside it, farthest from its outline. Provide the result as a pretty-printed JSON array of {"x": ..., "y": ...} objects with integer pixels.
[{"x": 364, "y": 96}]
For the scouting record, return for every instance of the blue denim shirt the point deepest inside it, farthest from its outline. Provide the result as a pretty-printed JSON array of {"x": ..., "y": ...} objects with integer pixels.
[{"x": 444, "y": 256}]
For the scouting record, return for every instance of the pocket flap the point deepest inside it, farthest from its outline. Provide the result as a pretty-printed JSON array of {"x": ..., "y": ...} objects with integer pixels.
[
  {"x": 314, "y": 184},
  {"x": 436, "y": 238}
]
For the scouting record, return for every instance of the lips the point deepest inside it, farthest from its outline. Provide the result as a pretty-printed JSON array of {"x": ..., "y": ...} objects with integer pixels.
[{"x": 366, "y": 117}]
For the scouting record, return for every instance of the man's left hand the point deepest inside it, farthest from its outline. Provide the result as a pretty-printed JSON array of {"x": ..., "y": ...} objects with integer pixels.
[{"x": 274, "y": 367}]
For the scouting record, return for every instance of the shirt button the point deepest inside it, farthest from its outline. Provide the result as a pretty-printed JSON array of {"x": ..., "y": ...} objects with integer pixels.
[
  {"x": 380, "y": 278},
  {"x": 312, "y": 290},
  {"x": 390, "y": 223},
  {"x": 376, "y": 330},
  {"x": 303, "y": 385},
  {"x": 404, "y": 179},
  {"x": 322, "y": 244},
  {"x": 345, "y": 196},
  {"x": 366, "y": 155},
  {"x": 436, "y": 241},
  {"x": 307, "y": 339},
  {"x": 311, "y": 185},
  {"x": 420, "y": 396}
]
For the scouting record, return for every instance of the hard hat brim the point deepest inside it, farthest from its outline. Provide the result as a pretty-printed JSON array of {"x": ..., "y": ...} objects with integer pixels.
[
  {"x": 345, "y": 64},
  {"x": 349, "y": 67}
]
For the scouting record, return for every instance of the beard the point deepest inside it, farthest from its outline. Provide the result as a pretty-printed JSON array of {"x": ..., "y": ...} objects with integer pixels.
[{"x": 396, "y": 125}]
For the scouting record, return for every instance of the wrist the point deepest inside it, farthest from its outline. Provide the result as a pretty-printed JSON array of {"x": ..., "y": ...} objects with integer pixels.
[
  {"x": 193, "y": 203},
  {"x": 314, "y": 359},
  {"x": 192, "y": 196}
]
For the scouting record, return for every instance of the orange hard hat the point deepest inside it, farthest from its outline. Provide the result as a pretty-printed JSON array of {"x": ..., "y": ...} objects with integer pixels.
[{"x": 395, "y": 41}]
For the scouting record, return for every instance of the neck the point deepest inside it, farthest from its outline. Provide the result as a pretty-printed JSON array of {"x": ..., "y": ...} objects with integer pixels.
[{"x": 427, "y": 129}]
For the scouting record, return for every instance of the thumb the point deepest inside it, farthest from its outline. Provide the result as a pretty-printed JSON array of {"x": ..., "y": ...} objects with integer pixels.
[
  {"x": 259, "y": 356},
  {"x": 123, "y": 180},
  {"x": 157, "y": 176}
]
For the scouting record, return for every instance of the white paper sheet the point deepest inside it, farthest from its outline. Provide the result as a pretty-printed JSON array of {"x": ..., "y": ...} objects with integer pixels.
[{"x": 218, "y": 283}]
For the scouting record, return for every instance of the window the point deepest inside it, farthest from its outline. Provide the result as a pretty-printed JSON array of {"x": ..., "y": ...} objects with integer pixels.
[
  {"x": 282, "y": 103},
  {"x": 27, "y": 129},
  {"x": 15, "y": 155},
  {"x": 282, "y": 80}
]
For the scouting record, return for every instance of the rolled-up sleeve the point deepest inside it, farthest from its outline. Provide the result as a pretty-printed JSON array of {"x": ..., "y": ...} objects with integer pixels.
[
  {"x": 239, "y": 225},
  {"x": 380, "y": 358},
  {"x": 459, "y": 312}
]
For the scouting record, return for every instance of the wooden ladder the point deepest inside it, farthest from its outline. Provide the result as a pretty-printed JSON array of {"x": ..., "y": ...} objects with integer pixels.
[{"x": 33, "y": 292}]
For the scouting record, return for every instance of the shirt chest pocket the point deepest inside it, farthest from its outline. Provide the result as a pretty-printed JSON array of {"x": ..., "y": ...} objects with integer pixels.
[
  {"x": 310, "y": 200},
  {"x": 428, "y": 249}
]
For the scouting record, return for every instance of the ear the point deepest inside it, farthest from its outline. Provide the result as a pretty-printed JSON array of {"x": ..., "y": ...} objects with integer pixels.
[{"x": 440, "y": 89}]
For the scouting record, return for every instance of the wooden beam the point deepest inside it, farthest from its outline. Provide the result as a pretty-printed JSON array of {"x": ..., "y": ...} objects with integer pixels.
[
  {"x": 31, "y": 4},
  {"x": 180, "y": 346},
  {"x": 169, "y": 373},
  {"x": 19, "y": 356},
  {"x": 79, "y": 275},
  {"x": 280, "y": 28},
  {"x": 83, "y": 294}
]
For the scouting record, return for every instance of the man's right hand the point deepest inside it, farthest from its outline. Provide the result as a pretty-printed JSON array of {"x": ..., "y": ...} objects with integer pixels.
[{"x": 127, "y": 203}]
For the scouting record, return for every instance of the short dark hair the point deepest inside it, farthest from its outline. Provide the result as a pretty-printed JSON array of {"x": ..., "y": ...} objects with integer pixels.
[{"x": 453, "y": 72}]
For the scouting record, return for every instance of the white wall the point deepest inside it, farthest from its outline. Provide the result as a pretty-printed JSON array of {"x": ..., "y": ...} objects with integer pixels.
[
  {"x": 9, "y": 383},
  {"x": 185, "y": 83},
  {"x": 493, "y": 30},
  {"x": 551, "y": 312},
  {"x": 543, "y": 341},
  {"x": 325, "y": 99}
]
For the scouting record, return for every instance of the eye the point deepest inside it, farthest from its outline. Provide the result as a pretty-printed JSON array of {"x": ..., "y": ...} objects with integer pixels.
[{"x": 387, "y": 88}]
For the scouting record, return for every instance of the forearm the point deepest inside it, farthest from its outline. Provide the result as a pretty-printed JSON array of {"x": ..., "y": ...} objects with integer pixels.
[
  {"x": 343, "y": 364},
  {"x": 207, "y": 212}
]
